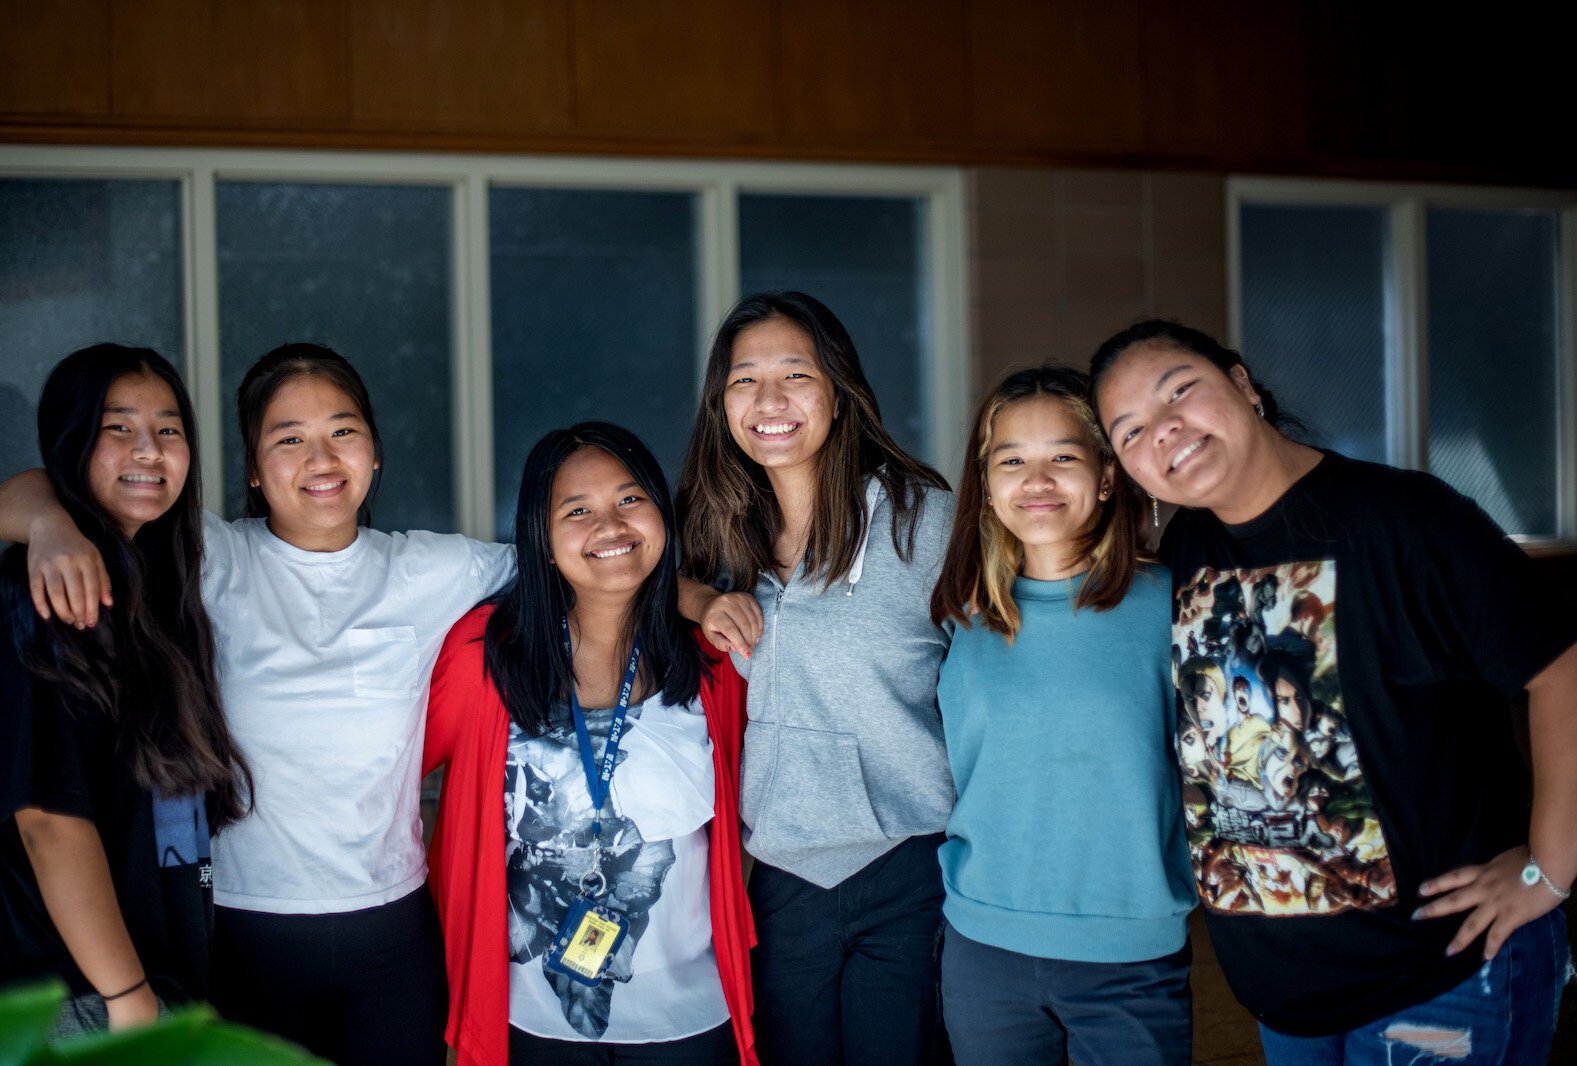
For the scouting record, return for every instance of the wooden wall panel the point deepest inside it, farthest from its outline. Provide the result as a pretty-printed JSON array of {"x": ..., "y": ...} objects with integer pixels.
[
  {"x": 498, "y": 66},
  {"x": 1289, "y": 86},
  {"x": 54, "y": 61},
  {"x": 1060, "y": 76},
  {"x": 701, "y": 71},
  {"x": 848, "y": 71},
  {"x": 1227, "y": 77},
  {"x": 266, "y": 62}
]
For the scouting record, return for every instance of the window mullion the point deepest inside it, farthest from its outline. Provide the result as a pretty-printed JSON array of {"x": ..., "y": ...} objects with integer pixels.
[
  {"x": 1407, "y": 348},
  {"x": 201, "y": 272},
  {"x": 718, "y": 261},
  {"x": 473, "y": 360},
  {"x": 1566, "y": 381}
]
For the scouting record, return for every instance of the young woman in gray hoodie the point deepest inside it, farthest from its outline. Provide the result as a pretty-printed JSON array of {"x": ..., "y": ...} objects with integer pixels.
[{"x": 798, "y": 504}]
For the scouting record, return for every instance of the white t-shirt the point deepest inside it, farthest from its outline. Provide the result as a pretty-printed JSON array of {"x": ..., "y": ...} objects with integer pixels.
[
  {"x": 324, "y": 660},
  {"x": 662, "y": 983}
]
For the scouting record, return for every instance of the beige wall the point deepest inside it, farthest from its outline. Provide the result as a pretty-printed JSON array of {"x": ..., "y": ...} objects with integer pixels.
[{"x": 1061, "y": 259}]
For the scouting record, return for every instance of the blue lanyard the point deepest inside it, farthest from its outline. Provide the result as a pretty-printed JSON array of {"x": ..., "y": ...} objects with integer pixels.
[{"x": 598, "y": 783}]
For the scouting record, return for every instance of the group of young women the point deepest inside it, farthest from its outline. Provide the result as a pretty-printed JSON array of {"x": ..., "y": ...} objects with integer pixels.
[{"x": 986, "y": 754}]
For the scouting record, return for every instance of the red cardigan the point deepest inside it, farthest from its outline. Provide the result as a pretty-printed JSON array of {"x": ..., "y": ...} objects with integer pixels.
[{"x": 468, "y": 729}]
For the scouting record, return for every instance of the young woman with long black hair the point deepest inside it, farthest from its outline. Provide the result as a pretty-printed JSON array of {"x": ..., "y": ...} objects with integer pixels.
[
  {"x": 115, "y": 761},
  {"x": 328, "y": 631},
  {"x": 1068, "y": 886},
  {"x": 592, "y": 751},
  {"x": 795, "y": 496},
  {"x": 1380, "y": 873}
]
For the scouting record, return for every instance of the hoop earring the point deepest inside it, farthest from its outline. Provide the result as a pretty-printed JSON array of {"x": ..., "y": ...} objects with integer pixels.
[{"x": 1155, "y": 512}]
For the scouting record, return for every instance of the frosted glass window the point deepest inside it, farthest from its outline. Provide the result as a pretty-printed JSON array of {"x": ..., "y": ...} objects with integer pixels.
[
  {"x": 864, "y": 257},
  {"x": 82, "y": 262},
  {"x": 594, "y": 316},
  {"x": 1314, "y": 284},
  {"x": 365, "y": 270},
  {"x": 1492, "y": 338}
]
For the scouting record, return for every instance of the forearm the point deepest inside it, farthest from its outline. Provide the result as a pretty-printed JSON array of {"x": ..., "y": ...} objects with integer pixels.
[
  {"x": 73, "y": 877},
  {"x": 694, "y": 597},
  {"x": 26, "y": 500},
  {"x": 1552, "y": 730}
]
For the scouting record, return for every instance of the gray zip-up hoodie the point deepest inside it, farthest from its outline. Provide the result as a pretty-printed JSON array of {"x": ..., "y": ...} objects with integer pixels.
[{"x": 843, "y": 755}]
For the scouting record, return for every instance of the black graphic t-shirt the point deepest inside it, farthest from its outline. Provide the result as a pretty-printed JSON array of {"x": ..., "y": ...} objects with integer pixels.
[
  {"x": 156, "y": 846},
  {"x": 1344, "y": 667}
]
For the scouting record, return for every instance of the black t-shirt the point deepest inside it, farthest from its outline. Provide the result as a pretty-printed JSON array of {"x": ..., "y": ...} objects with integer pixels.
[
  {"x": 68, "y": 763},
  {"x": 1345, "y": 664}
]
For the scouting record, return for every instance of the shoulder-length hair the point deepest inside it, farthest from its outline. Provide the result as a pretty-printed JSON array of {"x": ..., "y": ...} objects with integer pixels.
[
  {"x": 983, "y": 556},
  {"x": 523, "y": 647},
  {"x": 267, "y": 376},
  {"x": 148, "y": 667},
  {"x": 731, "y": 515}
]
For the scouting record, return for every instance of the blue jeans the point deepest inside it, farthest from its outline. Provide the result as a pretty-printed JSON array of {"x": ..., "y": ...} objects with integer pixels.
[
  {"x": 1503, "y": 1015},
  {"x": 1003, "y": 1008},
  {"x": 848, "y": 974}
]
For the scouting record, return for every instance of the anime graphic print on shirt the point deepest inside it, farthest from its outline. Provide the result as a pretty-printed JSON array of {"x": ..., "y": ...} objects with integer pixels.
[
  {"x": 549, "y": 845},
  {"x": 1280, "y": 820}
]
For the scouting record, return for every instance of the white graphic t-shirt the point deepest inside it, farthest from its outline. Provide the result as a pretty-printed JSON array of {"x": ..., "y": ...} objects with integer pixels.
[{"x": 662, "y": 983}]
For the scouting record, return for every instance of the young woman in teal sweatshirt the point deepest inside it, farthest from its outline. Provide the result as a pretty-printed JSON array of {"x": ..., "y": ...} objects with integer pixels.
[{"x": 1067, "y": 879}]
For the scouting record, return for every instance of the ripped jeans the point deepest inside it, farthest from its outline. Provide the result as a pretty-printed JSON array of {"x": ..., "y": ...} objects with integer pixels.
[{"x": 1503, "y": 1015}]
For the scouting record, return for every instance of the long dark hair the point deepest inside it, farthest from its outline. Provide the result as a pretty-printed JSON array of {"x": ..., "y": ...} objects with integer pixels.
[
  {"x": 983, "y": 555},
  {"x": 267, "y": 376},
  {"x": 731, "y": 515},
  {"x": 1174, "y": 335},
  {"x": 148, "y": 667},
  {"x": 523, "y": 649}
]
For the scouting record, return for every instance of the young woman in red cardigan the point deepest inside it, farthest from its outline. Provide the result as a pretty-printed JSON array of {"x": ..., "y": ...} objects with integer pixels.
[{"x": 586, "y": 860}]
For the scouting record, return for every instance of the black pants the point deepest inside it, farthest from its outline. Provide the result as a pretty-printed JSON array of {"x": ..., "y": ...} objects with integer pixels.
[
  {"x": 849, "y": 974},
  {"x": 359, "y": 987},
  {"x": 715, "y": 1047}
]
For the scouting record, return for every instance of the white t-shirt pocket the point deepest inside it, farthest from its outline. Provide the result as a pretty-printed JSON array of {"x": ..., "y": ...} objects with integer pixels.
[{"x": 384, "y": 662}]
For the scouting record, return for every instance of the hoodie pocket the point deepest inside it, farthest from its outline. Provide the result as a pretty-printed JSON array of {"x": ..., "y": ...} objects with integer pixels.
[{"x": 817, "y": 795}]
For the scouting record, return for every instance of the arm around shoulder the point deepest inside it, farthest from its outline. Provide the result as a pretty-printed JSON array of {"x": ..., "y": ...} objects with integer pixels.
[{"x": 66, "y": 574}]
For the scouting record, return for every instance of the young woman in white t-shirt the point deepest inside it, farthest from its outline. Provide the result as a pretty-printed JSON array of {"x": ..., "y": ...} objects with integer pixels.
[{"x": 326, "y": 632}]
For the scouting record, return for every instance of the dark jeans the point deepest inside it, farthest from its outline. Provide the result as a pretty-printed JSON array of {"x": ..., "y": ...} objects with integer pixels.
[
  {"x": 849, "y": 974},
  {"x": 359, "y": 987},
  {"x": 715, "y": 1047},
  {"x": 1004, "y": 1008},
  {"x": 1504, "y": 1015}
]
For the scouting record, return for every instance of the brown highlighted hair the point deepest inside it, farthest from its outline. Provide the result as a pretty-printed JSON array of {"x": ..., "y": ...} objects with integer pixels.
[
  {"x": 983, "y": 556},
  {"x": 730, "y": 515}
]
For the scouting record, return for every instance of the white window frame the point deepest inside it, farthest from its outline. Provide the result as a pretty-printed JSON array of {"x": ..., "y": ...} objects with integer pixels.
[
  {"x": 1407, "y": 310},
  {"x": 716, "y": 184}
]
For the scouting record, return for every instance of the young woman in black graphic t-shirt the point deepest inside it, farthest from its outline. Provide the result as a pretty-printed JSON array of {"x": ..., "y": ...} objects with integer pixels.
[
  {"x": 114, "y": 760},
  {"x": 1374, "y": 856}
]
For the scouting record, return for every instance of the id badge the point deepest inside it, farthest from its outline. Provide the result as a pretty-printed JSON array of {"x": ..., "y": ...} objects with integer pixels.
[{"x": 586, "y": 941}]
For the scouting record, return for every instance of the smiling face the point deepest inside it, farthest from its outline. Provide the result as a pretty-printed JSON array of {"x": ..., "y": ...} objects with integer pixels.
[
  {"x": 314, "y": 463},
  {"x": 1045, "y": 482},
  {"x": 605, "y": 534},
  {"x": 779, "y": 401},
  {"x": 1182, "y": 428},
  {"x": 141, "y": 456}
]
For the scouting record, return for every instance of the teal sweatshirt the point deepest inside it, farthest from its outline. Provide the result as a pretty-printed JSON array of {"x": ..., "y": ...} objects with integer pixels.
[{"x": 1067, "y": 838}]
